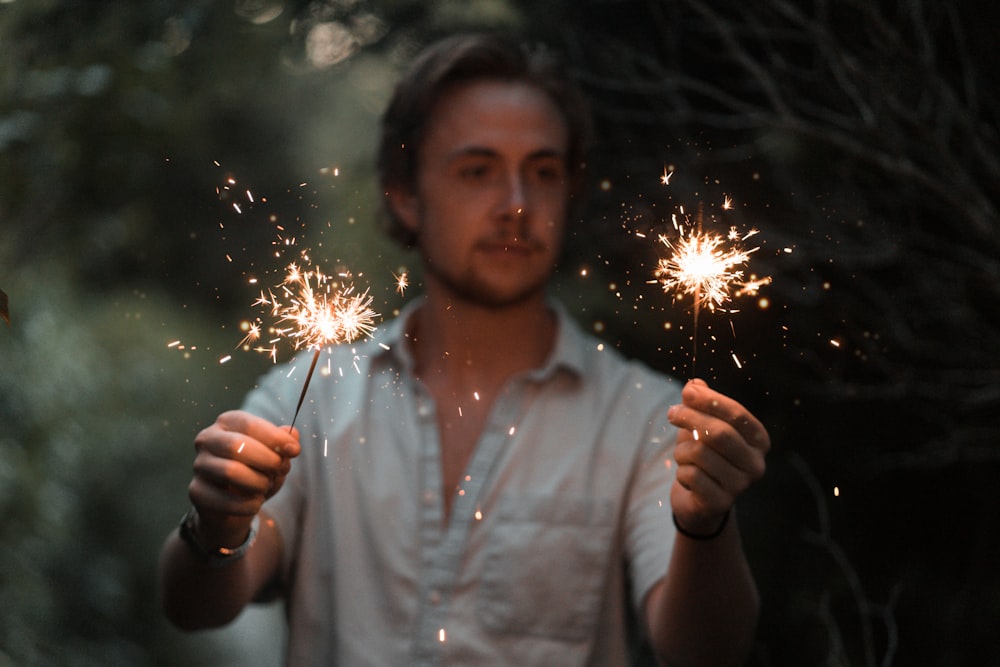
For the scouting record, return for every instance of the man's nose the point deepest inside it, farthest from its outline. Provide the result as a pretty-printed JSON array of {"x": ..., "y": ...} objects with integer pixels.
[{"x": 515, "y": 201}]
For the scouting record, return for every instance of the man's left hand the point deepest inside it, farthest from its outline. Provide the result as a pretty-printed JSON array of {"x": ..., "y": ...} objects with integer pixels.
[{"x": 720, "y": 452}]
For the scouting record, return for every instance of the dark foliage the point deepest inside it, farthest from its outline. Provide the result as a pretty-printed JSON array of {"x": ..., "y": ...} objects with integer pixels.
[{"x": 150, "y": 155}]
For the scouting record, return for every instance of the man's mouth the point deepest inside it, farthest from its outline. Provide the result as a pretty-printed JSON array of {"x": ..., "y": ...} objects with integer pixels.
[{"x": 510, "y": 246}]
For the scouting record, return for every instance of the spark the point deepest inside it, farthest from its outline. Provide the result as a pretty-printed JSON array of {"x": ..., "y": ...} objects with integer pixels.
[
  {"x": 751, "y": 286},
  {"x": 665, "y": 179},
  {"x": 702, "y": 265},
  {"x": 308, "y": 308},
  {"x": 253, "y": 334},
  {"x": 706, "y": 266},
  {"x": 311, "y": 310},
  {"x": 402, "y": 282}
]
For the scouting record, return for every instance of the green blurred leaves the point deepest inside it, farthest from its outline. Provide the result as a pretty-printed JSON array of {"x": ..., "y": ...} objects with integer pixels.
[{"x": 861, "y": 141}]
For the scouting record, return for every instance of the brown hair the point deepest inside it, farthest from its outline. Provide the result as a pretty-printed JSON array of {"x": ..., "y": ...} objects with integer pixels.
[{"x": 465, "y": 58}]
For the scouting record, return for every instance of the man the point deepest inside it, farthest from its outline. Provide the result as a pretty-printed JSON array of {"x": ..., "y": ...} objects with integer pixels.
[{"x": 489, "y": 486}]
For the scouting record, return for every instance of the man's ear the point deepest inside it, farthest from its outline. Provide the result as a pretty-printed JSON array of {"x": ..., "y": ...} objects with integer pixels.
[{"x": 406, "y": 206}]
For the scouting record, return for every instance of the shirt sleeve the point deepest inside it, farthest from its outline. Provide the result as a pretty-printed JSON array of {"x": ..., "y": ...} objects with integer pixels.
[
  {"x": 649, "y": 530},
  {"x": 274, "y": 399}
]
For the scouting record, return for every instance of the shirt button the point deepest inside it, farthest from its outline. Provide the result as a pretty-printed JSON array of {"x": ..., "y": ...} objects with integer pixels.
[
  {"x": 434, "y": 597},
  {"x": 429, "y": 497}
]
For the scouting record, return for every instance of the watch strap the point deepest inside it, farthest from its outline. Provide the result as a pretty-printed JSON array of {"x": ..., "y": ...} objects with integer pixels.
[{"x": 215, "y": 557}]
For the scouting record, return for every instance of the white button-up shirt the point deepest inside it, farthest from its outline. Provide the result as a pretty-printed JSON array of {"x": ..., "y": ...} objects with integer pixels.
[{"x": 559, "y": 528}]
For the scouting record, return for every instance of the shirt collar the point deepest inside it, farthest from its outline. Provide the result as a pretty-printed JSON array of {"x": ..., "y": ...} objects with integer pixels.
[{"x": 568, "y": 354}]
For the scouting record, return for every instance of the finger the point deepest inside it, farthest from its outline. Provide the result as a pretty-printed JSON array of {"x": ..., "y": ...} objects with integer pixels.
[
  {"x": 238, "y": 436},
  {"x": 210, "y": 498},
  {"x": 703, "y": 494},
  {"x": 278, "y": 438},
  {"x": 720, "y": 437},
  {"x": 695, "y": 512},
  {"x": 216, "y": 448},
  {"x": 699, "y": 396},
  {"x": 233, "y": 446},
  {"x": 694, "y": 458},
  {"x": 225, "y": 472}
]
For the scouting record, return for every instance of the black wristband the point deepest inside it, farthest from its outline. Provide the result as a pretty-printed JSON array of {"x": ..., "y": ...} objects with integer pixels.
[{"x": 696, "y": 536}]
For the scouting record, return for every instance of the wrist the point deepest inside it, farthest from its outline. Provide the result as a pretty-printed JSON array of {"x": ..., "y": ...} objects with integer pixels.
[
  {"x": 703, "y": 536},
  {"x": 224, "y": 548}
]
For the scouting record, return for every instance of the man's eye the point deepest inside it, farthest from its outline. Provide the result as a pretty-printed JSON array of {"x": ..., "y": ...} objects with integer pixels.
[
  {"x": 549, "y": 173},
  {"x": 474, "y": 171}
]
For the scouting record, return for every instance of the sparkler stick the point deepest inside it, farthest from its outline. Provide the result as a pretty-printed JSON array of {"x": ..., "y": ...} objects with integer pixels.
[
  {"x": 305, "y": 388},
  {"x": 697, "y": 304},
  {"x": 694, "y": 330}
]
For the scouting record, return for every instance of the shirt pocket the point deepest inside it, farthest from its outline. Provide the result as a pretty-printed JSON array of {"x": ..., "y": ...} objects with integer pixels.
[{"x": 546, "y": 566}]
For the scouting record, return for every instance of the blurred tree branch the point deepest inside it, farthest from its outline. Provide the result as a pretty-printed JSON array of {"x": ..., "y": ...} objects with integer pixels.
[
  {"x": 887, "y": 111},
  {"x": 865, "y": 136},
  {"x": 867, "y": 612}
]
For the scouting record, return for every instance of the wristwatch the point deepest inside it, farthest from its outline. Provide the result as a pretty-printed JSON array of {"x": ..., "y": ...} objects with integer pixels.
[{"x": 215, "y": 557}]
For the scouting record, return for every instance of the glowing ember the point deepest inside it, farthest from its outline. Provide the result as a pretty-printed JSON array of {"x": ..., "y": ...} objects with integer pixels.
[
  {"x": 704, "y": 265},
  {"x": 707, "y": 266},
  {"x": 402, "y": 282},
  {"x": 309, "y": 309},
  {"x": 313, "y": 310}
]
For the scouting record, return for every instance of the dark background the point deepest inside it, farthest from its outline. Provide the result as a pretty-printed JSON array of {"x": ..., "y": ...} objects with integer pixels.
[{"x": 859, "y": 136}]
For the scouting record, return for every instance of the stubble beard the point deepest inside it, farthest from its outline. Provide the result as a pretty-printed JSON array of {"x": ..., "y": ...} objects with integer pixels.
[{"x": 471, "y": 288}]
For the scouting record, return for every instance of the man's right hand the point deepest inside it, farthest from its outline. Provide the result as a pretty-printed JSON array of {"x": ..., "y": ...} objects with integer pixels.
[{"x": 241, "y": 461}]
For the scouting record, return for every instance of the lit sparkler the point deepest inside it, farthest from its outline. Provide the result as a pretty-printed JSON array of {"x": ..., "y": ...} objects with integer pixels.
[
  {"x": 706, "y": 266},
  {"x": 312, "y": 310}
]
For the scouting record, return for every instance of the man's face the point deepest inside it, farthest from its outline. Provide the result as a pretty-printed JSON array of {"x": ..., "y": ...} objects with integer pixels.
[{"x": 491, "y": 195}]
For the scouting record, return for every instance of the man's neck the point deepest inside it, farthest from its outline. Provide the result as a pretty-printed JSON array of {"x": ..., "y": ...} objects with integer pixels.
[{"x": 462, "y": 345}]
